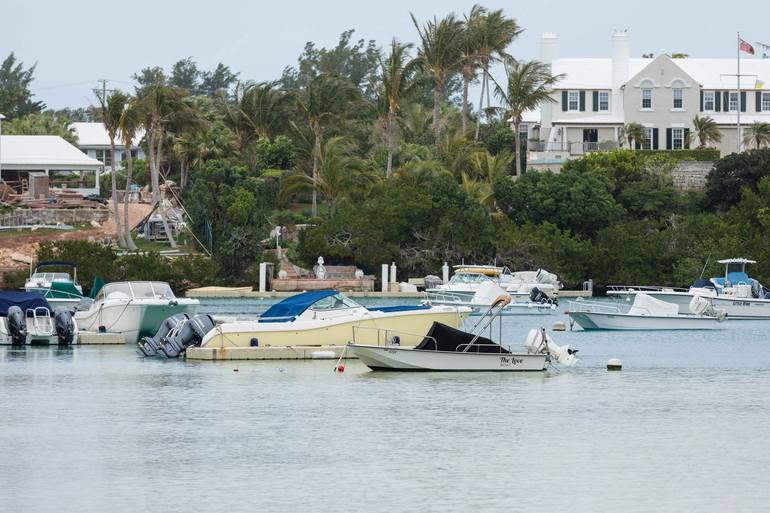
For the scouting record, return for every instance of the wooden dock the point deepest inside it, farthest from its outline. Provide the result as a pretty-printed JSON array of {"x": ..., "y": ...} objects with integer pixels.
[{"x": 247, "y": 292}]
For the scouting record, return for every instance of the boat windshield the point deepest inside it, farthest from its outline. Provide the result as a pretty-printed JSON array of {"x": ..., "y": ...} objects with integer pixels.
[
  {"x": 337, "y": 301},
  {"x": 49, "y": 277},
  {"x": 137, "y": 290},
  {"x": 462, "y": 278}
]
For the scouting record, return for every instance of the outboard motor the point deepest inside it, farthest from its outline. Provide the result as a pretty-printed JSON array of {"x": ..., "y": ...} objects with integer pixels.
[
  {"x": 65, "y": 327},
  {"x": 149, "y": 346},
  {"x": 17, "y": 325},
  {"x": 189, "y": 334},
  {"x": 702, "y": 306}
]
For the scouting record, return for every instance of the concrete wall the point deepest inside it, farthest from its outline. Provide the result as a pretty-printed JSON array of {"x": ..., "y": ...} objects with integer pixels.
[
  {"x": 690, "y": 175},
  {"x": 54, "y": 216}
]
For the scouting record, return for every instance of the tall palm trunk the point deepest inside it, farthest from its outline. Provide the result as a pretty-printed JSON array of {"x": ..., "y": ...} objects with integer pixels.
[
  {"x": 517, "y": 149},
  {"x": 158, "y": 198},
  {"x": 466, "y": 81},
  {"x": 481, "y": 99},
  {"x": 114, "y": 179},
  {"x": 391, "y": 143},
  {"x": 436, "y": 105},
  {"x": 129, "y": 177},
  {"x": 316, "y": 156}
]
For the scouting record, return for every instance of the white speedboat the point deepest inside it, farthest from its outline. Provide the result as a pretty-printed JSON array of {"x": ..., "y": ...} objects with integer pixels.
[
  {"x": 326, "y": 317},
  {"x": 133, "y": 309},
  {"x": 646, "y": 313},
  {"x": 736, "y": 293},
  {"x": 520, "y": 285},
  {"x": 59, "y": 288},
  {"x": 486, "y": 295},
  {"x": 27, "y": 318},
  {"x": 444, "y": 348}
]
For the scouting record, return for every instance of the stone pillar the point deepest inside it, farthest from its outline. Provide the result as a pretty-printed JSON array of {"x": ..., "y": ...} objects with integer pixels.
[
  {"x": 263, "y": 277},
  {"x": 385, "y": 277},
  {"x": 445, "y": 272}
]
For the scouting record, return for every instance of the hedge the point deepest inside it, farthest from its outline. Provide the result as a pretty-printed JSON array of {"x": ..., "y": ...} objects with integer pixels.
[{"x": 701, "y": 154}]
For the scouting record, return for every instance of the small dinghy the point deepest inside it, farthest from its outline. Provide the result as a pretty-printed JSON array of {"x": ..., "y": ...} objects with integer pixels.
[
  {"x": 646, "y": 313},
  {"x": 445, "y": 348}
]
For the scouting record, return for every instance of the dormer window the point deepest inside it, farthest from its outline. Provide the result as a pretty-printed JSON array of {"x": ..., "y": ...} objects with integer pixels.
[
  {"x": 646, "y": 99},
  {"x": 677, "y": 96}
]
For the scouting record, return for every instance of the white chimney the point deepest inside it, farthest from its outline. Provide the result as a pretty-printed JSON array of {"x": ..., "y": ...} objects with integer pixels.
[
  {"x": 621, "y": 52},
  {"x": 549, "y": 47}
]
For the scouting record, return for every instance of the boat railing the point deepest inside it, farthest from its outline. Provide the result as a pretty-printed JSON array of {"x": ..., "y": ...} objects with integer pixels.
[
  {"x": 583, "y": 306},
  {"x": 626, "y": 289},
  {"x": 444, "y": 297},
  {"x": 41, "y": 320},
  {"x": 385, "y": 337}
]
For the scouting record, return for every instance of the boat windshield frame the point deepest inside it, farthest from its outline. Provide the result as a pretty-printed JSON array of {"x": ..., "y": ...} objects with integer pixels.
[
  {"x": 50, "y": 276},
  {"x": 461, "y": 278},
  {"x": 137, "y": 290},
  {"x": 338, "y": 301}
]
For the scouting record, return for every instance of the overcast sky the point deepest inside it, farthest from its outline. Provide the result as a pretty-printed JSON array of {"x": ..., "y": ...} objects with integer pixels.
[{"x": 77, "y": 42}]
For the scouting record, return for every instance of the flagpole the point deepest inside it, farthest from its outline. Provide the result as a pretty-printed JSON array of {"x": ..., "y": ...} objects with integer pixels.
[{"x": 738, "y": 109}]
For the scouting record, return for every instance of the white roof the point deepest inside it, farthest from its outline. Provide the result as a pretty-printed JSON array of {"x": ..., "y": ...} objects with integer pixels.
[
  {"x": 17, "y": 151},
  {"x": 94, "y": 134},
  {"x": 596, "y": 73}
]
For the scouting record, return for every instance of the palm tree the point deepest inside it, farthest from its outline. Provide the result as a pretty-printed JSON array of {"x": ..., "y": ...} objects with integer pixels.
[
  {"x": 440, "y": 55},
  {"x": 495, "y": 33},
  {"x": 486, "y": 169},
  {"x": 259, "y": 112},
  {"x": 397, "y": 74},
  {"x": 109, "y": 111},
  {"x": 632, "y": 133},
  {"x": 529, "y": 85},
  {"x": 758, "y": 134},
  {"x": 706, "y": 130},
  {"x": 470, "y": 54},
  {"x": 340, "y": 173},
  {"x": 130, "y": 121},
  {"x": 325, "y": 101}
]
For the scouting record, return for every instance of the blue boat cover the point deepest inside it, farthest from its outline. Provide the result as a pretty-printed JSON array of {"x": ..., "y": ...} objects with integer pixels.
[
  {"x": 399, "y": 308},
  {"x": 289, "y": 308},
  {"x": 24, "y": 300}
]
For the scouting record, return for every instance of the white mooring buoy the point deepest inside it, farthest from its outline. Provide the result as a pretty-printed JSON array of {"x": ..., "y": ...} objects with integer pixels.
[
  {"x": 613, "y": 364},
  {"x": 559, "y": 326}
]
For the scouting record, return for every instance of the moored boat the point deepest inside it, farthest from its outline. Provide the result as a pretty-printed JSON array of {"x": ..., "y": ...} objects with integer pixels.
[
  {"x": 27, "y": 318},
  {"x": 485, "y": 296},
  {"x": 467, "y": 279},
  {"x": 59, "y": 288}
]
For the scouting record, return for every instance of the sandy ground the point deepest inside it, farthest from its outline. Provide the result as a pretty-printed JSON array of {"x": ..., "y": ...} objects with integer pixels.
[{"x": 26, "y": 242}]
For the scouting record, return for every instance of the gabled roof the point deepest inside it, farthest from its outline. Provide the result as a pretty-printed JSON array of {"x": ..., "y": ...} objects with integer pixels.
[
  {"x": 42, "y": 150},
  {"x": 94, "y": 134}
]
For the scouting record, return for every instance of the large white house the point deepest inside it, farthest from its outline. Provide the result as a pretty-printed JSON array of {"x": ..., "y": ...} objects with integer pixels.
[
  {"x": 94, "y": 142},
  {"x": 598, "y": 96}
]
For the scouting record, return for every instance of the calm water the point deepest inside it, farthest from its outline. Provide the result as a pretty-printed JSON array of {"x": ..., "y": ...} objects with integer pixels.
[{"x": 682, "y": 428}]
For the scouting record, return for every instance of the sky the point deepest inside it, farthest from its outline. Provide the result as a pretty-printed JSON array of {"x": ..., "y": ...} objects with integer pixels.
[{"x": 77, "y": 42}]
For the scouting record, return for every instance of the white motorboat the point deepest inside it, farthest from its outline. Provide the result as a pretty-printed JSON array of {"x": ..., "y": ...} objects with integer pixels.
[
  {"x": 133, "y": 309},
  {"x": 520, "y": 285},
  {"x": 646, "y": 313},
  {"x": 444, "y": 348},
  {"x": 59, "y": 288},
  {"x": 326, "y": 317},
  {"x": 736, "y": 293},
  {"x": 27, "y": 318},
  {"x": 485, "y": 296}
]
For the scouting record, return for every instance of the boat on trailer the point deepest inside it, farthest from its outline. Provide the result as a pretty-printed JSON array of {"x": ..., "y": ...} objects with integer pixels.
[
  {"x": 444, "y": 348},
  {"x": 645, "y": 313},
  {"x": 741, "y": 296}
]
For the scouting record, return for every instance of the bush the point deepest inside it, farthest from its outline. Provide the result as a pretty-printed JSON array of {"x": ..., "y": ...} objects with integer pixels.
[{"x": 732, "y": 173}]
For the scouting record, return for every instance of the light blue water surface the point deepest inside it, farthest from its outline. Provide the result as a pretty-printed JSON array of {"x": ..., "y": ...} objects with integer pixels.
[{"x": 682, "y": 428}]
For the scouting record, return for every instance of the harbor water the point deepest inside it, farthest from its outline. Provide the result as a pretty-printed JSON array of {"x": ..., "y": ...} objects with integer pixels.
[{"x": 682, "y": 427}]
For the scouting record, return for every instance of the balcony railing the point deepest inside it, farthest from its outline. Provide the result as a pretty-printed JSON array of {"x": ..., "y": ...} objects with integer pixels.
[{"x": 574, "y": 148}]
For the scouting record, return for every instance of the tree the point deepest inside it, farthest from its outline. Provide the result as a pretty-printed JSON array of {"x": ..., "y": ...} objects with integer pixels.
[
  {"x": 149, "y": 76},
  {"x": 734, "y": 172},
  {"x": 185, "y": 75},
  {"x": 470, "y": 54},
  {"x": 529, "y": 85},
  {"x": 397, "y": 73},
  {"x": 706, "y": 130},
  {"x": 758, "y": 134},
  {"x": 440, "y": 55},
  {"x": 110, "y": 111},
  {"x": 217, "y": 82},
  {"x": 41, "y": 124},
  {"x": 325, "y": 101},
  {"x": 631, "y": 134},
  {"x": 129, "y": 123},
  {"x": 259, "y": 112},
  {"x": 15, "y": 95},
  {"x": 494, "y": 33}
]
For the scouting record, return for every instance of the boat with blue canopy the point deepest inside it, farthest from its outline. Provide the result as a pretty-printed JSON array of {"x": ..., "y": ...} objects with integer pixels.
[{"x": 27, "y": 318}]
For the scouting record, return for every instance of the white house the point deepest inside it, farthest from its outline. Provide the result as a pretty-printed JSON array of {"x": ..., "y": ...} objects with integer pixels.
[
  {"x": 66, "y": 166},
  {"x": 94, "y": 142},
  {"x": 598, "y": 96}
]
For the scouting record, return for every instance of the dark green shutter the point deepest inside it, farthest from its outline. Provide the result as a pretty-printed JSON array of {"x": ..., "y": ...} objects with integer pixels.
[
  {"x": 582, "y": 101},
  {"x": 668, "y": 138},
  {"x": 637, "y": 145},
  {"x": 758, "y": 96},
  {"x": 564, "y": 100},
  {"x": 596, "y": 101},
  {"x": 686, "y": 138},
  {"x": 743, "y": 101},
  {"x": 717, "y": 102},
  {"x": 654, "y": 138},
  {"x": 701, "y": 101},
  {"x": 726, "y": 100}
]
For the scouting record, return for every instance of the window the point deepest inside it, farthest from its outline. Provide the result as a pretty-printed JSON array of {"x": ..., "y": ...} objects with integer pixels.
[
  {"x": 733, "y": 106},
  {"x": 648, "y": 138},
  {"x": 104, "y": 156},
  {"x": 708, "y": 101},
  {"x": 604, "y": 101},
  {"x": 647, "y": 99},
  {"x": 124, "y": 155},
  {"x": 573, "y": 101},
  {"x": 677, "y": 96},
  {"x": 677, "y": 138},
  {"x": 765, "y": 101},
  {"x": 524, "y": 131}
]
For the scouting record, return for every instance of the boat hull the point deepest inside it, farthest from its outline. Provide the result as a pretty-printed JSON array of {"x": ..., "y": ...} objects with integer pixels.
[
  {"x": 44, "y": 335},
  {"x": 409, "y": 326},
  {"x": 133, "y": 319},
  {"x": 736, "y": 308},
  {"x": 619, "y": 321},
  {"x": 403, "y": 359}
]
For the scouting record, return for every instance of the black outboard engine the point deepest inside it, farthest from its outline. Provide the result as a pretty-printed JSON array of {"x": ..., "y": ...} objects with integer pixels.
[
  {"x": 17, "y": 325},
  {"x": 65, "y": 327},
  {"x": 149, "y": 346},
  {"x": 191, "y": 334},
  {"x": 538, "y": 296}
]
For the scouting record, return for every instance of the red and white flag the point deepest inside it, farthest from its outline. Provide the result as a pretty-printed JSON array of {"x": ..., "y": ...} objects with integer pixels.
[{"x": 745, "y": 47}]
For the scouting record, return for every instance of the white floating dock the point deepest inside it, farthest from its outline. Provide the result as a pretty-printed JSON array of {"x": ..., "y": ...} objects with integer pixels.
[
  {"x": 265, "y": 353},
  {"x": 93, "y": 338}
]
